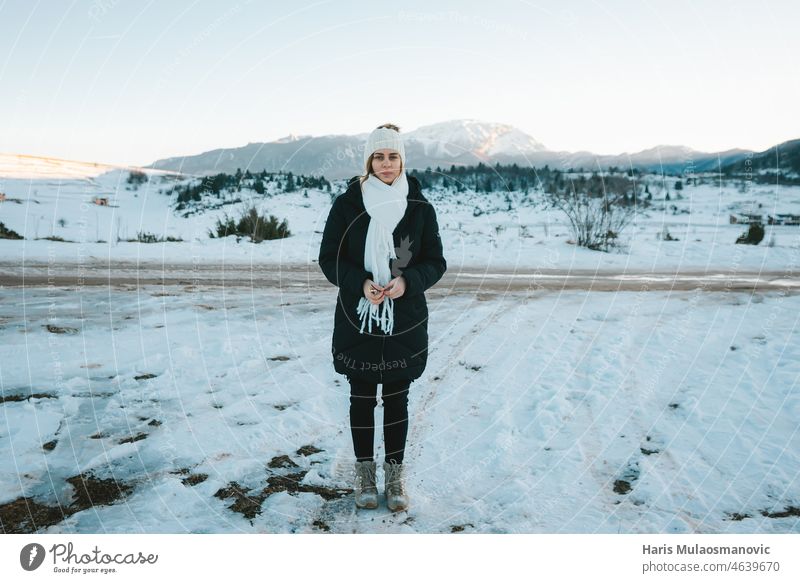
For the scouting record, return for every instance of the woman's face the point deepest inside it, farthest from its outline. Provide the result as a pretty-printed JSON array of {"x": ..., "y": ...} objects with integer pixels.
[{"x": 386, "y": 164}]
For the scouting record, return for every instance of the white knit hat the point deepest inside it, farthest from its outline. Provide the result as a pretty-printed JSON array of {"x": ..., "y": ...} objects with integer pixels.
[{"x": 381, "y": 138}]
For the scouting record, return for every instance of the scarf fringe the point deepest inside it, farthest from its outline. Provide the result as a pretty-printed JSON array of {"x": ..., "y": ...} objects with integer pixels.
[{"x": 382, "y": 314}]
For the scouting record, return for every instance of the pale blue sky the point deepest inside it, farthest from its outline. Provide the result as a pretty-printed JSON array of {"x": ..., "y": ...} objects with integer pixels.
[{"x": 132, "y": 81}]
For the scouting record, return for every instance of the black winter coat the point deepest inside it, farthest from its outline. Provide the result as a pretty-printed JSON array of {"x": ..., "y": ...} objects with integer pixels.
[{"x": 375, "y": 356}]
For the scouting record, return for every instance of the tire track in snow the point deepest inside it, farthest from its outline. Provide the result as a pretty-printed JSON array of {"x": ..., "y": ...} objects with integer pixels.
[{"x": 420, "y": 421}]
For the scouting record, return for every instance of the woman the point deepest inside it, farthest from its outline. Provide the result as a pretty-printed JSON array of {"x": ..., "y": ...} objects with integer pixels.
[{"x": 381, "y": 247}]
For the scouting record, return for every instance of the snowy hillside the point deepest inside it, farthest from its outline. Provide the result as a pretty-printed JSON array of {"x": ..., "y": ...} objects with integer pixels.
[
  {"x": 478, "y": 229},
  {"x": 42, "y": 167}
]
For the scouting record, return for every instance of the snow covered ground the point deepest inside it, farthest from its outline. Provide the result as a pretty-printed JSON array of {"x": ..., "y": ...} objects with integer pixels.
[
  {"x": 527, "y": 237},
  {"x": 547, "y": 412},
  {"x": 658, "y": 411}
]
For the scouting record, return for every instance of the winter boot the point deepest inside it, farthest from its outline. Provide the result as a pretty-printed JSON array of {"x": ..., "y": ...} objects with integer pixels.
[
  {"x": 396, "y": 498},
  {"x": 366, "y": 489}
]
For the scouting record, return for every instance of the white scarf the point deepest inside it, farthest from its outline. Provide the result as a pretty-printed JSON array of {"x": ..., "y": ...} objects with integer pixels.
[{"x": 386, "y": 205}]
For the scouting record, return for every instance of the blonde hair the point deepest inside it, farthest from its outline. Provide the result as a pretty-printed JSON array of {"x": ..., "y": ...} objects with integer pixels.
[{"x": 368, "y": 165}]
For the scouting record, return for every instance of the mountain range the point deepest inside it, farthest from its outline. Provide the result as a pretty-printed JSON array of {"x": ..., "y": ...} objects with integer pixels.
[{"x": 457, "y": 142}]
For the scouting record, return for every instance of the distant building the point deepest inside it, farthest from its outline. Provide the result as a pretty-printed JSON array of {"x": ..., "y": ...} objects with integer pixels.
[
  {"x": 783, "y": 219},
  {"x": 745, "y": 219},
  {"x": 2, "y": 196}
]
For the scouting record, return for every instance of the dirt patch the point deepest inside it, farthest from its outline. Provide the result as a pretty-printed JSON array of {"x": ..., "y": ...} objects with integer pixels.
[
  {"x": 622, "y": 486},
  {"x": 248, "y": 505},
  {"x": 26, "y": 515},
  {"x": 308, "y": 450},
  {"x": 131, "y": 439},
  {"x": 17, "y": 398},
  {"x": 736, "y": 516},
  {"x": 625, "y": 482},
  {"x": 291, "y": 484},
  {"x": 248, "y": 502},
  {"x": 94, "y": 394},
  {"x": 194, "y": 479},
  {"x": 61, "y": 329},
  {"x": 790, "y": 511},
  {"x": 93, "y": 491},
  {"x": 281, "y": 461}
]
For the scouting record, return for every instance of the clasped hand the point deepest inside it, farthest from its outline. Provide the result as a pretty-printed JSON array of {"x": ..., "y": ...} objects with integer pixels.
[{"x": 376, "y": 293}]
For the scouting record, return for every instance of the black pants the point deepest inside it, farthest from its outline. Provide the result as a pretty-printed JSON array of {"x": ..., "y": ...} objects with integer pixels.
[{"x": 363, "y": 399}]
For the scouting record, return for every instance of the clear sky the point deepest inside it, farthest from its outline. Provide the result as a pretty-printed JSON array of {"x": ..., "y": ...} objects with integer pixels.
[{"x": 129, "y": 82}]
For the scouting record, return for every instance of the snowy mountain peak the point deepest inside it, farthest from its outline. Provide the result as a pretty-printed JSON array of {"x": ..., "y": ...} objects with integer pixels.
[
  {"x": 665, "y": 151},
  {"x": 484, "y": 139},
  {"x": 290, "y": 138}
]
